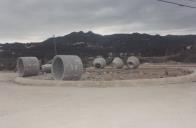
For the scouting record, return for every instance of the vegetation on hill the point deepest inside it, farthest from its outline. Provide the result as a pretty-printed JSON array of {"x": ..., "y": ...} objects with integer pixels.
[{"x": 90, "y": 44}]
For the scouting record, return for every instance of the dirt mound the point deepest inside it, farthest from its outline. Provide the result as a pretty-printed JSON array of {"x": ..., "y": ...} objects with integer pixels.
[{"x": 109, "y": 74}]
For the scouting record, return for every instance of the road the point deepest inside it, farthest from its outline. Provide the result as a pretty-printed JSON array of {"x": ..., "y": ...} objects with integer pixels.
[{"x": 165, "y": 106}]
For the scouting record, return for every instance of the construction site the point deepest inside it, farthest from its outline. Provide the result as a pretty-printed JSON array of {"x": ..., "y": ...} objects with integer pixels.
[
  {"x": 97, "y": 64},
  {"x": 85, "y": 84},
  {"x": 120, "y": 94}
]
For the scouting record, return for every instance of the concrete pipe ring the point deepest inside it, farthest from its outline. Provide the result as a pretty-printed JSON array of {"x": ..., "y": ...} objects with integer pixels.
[
  {"x": 117, "y": 63},
  {"x": 28, "y": 66},
  {"x": 67, "y": 67},
  {"x": 46, "y": 68},
  {"x": 133, "y": 62},
  {"x": 99, "y": 62}
]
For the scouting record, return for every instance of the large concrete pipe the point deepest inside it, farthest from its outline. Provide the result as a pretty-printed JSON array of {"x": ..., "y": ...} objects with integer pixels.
[
  {"x": 133, "y": 62},
  {"x": 28, "y": 66},
  {"x": 99, "y": 62},
  {"x": 117, "y": 63},
  {"x": 46, "y": 68},
  {"x": 67, "y": 67}
]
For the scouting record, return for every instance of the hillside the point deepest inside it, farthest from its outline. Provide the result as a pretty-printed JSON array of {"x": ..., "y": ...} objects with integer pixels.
[{"x": 90, "y": 44}]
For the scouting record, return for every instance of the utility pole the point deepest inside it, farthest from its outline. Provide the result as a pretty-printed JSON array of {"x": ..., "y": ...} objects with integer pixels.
[{"x": 54, "y": 42}]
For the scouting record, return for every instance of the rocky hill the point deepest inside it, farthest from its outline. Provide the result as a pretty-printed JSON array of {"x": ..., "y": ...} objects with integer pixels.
[{"x": 90, "y": 44}]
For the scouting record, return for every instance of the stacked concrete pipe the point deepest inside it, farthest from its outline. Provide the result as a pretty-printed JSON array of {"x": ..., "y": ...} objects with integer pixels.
[
  {"x": 99, "y": 62},
  {"x": 67, "y": 67},
  {"x": 28, "y": 66},
  {"x": 117, "y": 63},
  {"x": 133, "y": 62}
]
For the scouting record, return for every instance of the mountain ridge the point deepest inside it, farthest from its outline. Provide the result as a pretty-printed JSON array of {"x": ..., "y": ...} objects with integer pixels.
[{"x": 89, "y": 44}]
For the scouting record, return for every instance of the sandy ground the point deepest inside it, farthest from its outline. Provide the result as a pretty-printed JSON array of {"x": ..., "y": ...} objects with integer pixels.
[
  {"x": 165, "y": 106},
  {"x": 168, "y": 106}
]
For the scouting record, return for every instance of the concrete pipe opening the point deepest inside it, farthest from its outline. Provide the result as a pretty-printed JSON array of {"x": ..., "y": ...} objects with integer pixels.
[
  {"x": 118, "y": 63},
  {"x": 131, "y": 65},
  {"x": 67, "y": 67},
  {"x": 133, "y": 62},
  {"x": 28, "y": 66},
  {"x": 98, "y": 65},
  {"x": 99, "y": 62}
]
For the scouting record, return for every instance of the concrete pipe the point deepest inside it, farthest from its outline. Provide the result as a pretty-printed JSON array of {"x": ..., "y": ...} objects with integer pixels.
[
  {"x": 117, "y": 63},
  {"x": 67, "y": 67},
  {"x": 46, "y": 68},
  {"x": 99, "y": 62},
  {"x": 133, "y": 62},
  {"x": 28, "y": 66}
]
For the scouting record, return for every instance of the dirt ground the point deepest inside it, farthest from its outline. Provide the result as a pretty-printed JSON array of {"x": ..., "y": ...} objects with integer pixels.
[
  {"x": 166, "y": 106},
  {"x": 108, "y": 73},
  {"x": 129, "y": 74},
  {"x": 161, "y": 106}
]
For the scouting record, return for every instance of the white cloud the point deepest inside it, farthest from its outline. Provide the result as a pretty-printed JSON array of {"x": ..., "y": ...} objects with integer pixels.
[{"x": 36, "y": 20}]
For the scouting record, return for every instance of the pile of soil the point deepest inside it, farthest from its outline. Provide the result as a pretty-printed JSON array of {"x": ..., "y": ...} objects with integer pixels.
[{"x": 109, "y": 74}]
